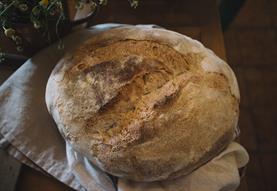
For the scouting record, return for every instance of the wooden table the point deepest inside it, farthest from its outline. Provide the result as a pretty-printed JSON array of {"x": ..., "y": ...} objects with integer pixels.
[{"x": 195, "y": 18}]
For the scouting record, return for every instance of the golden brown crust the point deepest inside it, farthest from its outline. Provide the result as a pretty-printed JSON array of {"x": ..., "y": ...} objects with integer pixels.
[{"x": 144, "y": 104}]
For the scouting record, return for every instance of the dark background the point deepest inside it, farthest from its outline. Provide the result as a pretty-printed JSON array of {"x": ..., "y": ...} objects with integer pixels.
[{"x": 251, "y": 46}]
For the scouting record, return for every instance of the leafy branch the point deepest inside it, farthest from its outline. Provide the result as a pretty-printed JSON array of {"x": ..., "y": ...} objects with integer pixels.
[{"x": 41, "y": 14}]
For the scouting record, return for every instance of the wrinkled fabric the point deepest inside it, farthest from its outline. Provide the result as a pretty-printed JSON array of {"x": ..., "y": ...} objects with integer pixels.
[{"x": 220, "y": 174}]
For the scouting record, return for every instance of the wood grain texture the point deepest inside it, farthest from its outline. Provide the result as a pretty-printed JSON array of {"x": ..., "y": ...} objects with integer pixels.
[{"x": 32, "y": 180}]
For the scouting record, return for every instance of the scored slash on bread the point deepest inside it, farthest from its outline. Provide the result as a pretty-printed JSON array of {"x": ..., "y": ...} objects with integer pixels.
[{"x": 144, "y": 104}]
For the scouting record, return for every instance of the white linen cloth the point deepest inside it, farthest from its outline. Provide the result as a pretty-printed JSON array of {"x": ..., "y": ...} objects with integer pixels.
[{"x": 29, "y": 133}]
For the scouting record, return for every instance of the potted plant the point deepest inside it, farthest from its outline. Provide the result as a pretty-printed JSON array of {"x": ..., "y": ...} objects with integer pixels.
[{"x": 29, "y": 25}]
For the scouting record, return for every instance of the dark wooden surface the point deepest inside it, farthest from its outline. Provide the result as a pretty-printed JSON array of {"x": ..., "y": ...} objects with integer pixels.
[
  {"x": 196, "y": 18},
  {"x": 251, "y": 44}
]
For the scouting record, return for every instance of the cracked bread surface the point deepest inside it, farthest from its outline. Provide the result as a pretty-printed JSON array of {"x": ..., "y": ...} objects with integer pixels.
[{"x": 144, "y": 104}]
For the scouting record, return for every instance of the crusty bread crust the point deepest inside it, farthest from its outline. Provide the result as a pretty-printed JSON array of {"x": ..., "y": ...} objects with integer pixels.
[{"x": 144, "y": 104}]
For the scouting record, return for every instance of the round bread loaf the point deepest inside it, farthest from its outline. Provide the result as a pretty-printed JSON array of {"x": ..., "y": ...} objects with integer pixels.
[{"x": 144, "y": 104}]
